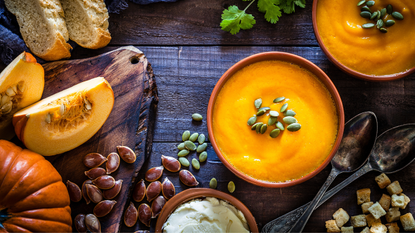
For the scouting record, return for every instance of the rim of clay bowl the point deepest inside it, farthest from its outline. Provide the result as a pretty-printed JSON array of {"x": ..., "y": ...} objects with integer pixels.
[
  {"x": 346, "y": 69},
  {"x": 195, "y": 193},
  {"x": 302, "y": 62}
]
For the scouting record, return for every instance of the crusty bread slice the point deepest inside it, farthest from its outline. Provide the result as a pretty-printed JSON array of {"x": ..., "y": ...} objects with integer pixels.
[
  {"x": 87, "y": 22},
  {"x": 42, "y": 26}
]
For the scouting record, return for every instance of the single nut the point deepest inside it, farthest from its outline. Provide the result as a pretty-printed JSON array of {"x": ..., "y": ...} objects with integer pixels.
[
  {"x": 113, "y": 162},
  {"x": 187, "y": 178},
  {"x": 79, "y": 222},
  {"x": 94, "y": 194},
  {"x": 104, "y": 207},
  {"x": 94, "y": 160},
  {"x": 114, "y": 191},
  {"x": 154, "y": 173},
  {"x": 84, "y": 192},
  {"x": 157, "y": 205},
  {"x": 126, "y": 154},
  {"x": 153, "y": 190},
  {"x": 74, "y": 191},
  {"x": 144, "y": 214},
  {"x": 104, "y": 182},
  {"x": 92, "y": 223},
  {"x": 170, "y": 163},
  {"x": 95, "y": 172},
  {"x": 139, "y": 191},
  {"x": 167, "y": 188},
  {"x": 130, "y": 215}
]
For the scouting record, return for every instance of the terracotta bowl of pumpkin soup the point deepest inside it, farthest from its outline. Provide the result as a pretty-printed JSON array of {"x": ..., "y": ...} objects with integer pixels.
[
  {"x": 382, "y": 52},
  {"x": 293, "y": 92}
]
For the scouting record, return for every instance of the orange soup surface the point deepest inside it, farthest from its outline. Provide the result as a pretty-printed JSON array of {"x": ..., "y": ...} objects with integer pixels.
[{"x": 291, "y": 155}]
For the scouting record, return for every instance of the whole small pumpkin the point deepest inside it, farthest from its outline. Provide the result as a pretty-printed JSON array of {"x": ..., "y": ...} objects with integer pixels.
[{"x": 33, "y": 197}]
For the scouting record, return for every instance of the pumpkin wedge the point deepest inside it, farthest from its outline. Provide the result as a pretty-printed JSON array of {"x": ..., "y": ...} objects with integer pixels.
[
  {"x": 21, "y": 84},
  {"x": 66, "y": 119}
]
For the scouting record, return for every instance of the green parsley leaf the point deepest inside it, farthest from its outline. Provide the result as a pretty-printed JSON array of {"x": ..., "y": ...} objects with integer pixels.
[
  {"x": 271, "y": 9},
  {"x": 234, "y": 19}
]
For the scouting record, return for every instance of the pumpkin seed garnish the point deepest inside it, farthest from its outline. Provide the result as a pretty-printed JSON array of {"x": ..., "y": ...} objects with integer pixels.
[
  {"x": 197, "y": 117},
  {"x": 378, "y": 16},
  {"x": 370, "y": 3},
  {"x": 374, "y": 15},
  {"x": 389, "y": 22},
  {"x": 284, "y": 107},
  {"x": 256, "y": 125},
  {"x": 389, "y": 9},
  {"x": 272, "y": 120},
  {"x": 289, "y": 113},
  {"x": 185, "y": 135},
  {"x": 274, "y": 113},
  {"x": 279, "y": 99},
  {"x": 397, "y": 15},
  {"x": 201, "y": 138},
  {"x": 231, "y": 186},
  {"x": 195, "y": 164},
  {"x": 258, "y": 103},
  {"x": 184, "y": 162},
  {"x": 383, "y": 12},
  {"x": 193, "y": 137},
  {"x": 183, "y": 153},
  {"x": 261, "y": 112},
  {"x": 203, "y": 156},
  {"x": 368, "y": 25},
  {"x": 265, "y": 108},
  {"x": 201, "y": 147},
  {"x": 280, "y": 126},
  {"x": 213, "y": 183},
  {"x": 189, "y": 145},
  {"x": 263, "y": 128},
  {"x": 258, "y": 128},
  {"x": 289, "y": 120},
  {"x": 361, "y": 3},
  {"x": 365, "y": 8},
  {"x": 384, "y": 30},
  {"x": 379, "y": 24},
  {"x": 274, "y": 133},
  {"x": 294, "y": 127},
  {"x": 365, "y": 14},
  {"x": 180, "y": 146},
  {"x": 252, "y": 120}
]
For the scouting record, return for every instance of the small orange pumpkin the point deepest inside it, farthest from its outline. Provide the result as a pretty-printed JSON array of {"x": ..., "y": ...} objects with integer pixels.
[{"x": 33, "y": 197}]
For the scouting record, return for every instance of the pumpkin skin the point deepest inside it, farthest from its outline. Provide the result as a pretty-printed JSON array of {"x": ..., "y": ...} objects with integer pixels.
[{"x": 32, "y": 192}]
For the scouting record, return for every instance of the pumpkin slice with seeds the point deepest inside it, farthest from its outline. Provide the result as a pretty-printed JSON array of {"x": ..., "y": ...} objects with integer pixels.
[
  {"x": 66, "y": 119},
  {"x": 21, "y": 84}
]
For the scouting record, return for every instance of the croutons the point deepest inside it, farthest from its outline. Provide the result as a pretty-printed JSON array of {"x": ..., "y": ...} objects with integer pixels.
[
  {"x": 393, "y": 214},
  {"x": 347, "y": 230},
  {"x": 331, "y": 226},
  {"x": 408, "y": 222},
  {"x": 363, "y": 195},
  {"x": 371, "y": 220},
  {"x": 393, "y": 227},
  {"x": 358, "y": 220},
  {"x": 407, "y": 200},
  {"x": 398, "y": 201},
  {"x": 341, "y": 217},
  {"x": 365, "y": 207},
  {"x": 377, "y": 211},
  {"x": 365, "y": 230},
  {"x": 385, "y": 202},
  {"x": 382, "y": 180},
  {"x": 394, "y": 188},
  {"x": 378, "y": 228}
]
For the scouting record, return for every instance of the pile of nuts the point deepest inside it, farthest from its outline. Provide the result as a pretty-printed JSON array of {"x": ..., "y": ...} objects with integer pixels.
[{"x": 100, "y": 188}]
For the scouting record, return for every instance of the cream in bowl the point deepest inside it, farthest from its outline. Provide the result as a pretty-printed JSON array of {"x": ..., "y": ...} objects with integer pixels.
[
  {"x": 373, "y": 39},
  {"x": 280, "y": 81}
]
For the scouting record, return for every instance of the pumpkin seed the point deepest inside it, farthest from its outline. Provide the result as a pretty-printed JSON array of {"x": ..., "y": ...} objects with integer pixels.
[
  {"x": 383, "y": 12},
  {"x": 361, "y": 3},
  {"x": 213, "y": 183},
  {"x": 264, "y": 108},
  {"x": 139, "y": 191},
  {"x": 195, "y": 164},
  {"x": 274, "y": 113},
  {"x": 378, "y": 16},
  {"x": 370, "y": 3},
  {"x": 184, "y": 162},
  {"x": 187, "y": 178},
  {"x": 170, "y": 163},
  {"x": 10, "y": 92},
  {"x": 154, "y": 173},
  {"x": 144, "y": 214},
  {"x": 183, "y": 153},
  {"x": 389, "y": 9},
  {"x": 62, "y": 109},
  {"x": 167, "y": 188},
  {"x": 280, "y": 126},
  {"x": 294, "y": 127},
  {"x": 365, "y": 8},
  {"x": 284, "y": 107},
  {"x": 201, "y": 148},
  {"x": 366, "y": 14},
  {"x": 231, "y": 186},
  {"x": 279, "y": 99},
  {"x": 75, "y": 193},
  {"x": 157, "y": 205},
  {"x": 79, "y": 222},
  {"x": 7, "y": 107},
  {"x": 272, "y": 120},
  {"x": 180, "y": 146},
  {"x": 261, "y": 112},
  {"x": 201, "y": 138},
  {"x": 384, "y": 30},
  {"x": 255, "y": 125},
  {"x": 113, "y": 162},
  {"x": 88, "y": 105},
  {"x": 185, "y": 135},
  {"x": 379, "y": 24},
  {"x": 274, "y": 133},
  {"x": 289, "y": 120},
  {"x": 197, "y": 117},
  {"x": 5, "y": 99},
  {"x": 252, "y": 120},
  {"x": 397, "y": 15},
  {"x": 368, "y": 25},
  {"x": 103, "y": 208},
  {"x": 389, "y": 22},
  {"x": 258, "y": 103},
  {"x": 153, "y": 190},
  {"x": 126, "y": 154},
  {"x": 114, "y": 191},
  {"x": 203, "y": 156},
  {"x": 48, "y": 118},
  {"x": 289, "y": 113},
  {"x": 131, "y": 215},
  {"x": 374, "y": 15},
  {"x": 258, "y": 128},
  {"x": 193, "y": 137},
  {"x": 92, "y": 160},
  {"x": 104, "y": 182},
  {"x": 20, "y": 86},
  {"x": 189, "y": 145},
  {"x": 92, "y": 223},
  {"x": 264, "y": 128}
]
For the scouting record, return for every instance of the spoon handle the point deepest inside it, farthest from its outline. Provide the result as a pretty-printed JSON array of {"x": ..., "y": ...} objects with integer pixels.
[{"x": 286, "y": 222}]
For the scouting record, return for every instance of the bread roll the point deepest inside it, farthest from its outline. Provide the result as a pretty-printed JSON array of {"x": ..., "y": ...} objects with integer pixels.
[
  {"x": 87, "y": 22},
  {"x": 42, "y": 26}
]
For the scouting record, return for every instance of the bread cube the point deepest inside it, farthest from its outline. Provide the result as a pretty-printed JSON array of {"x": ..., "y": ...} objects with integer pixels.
[
  {"x": 371, "y": 220},
  {"x": 365, "y": 207},
  {"x": 408, "y": 222},
  {"x": 341, "y": 217},
  {"x": 358, "y": 220},
  {"x": 393, "y": 227},
  {"x": 378, "y": 228},
  {"x": 394, "y": 188},
  {"x": 363, "y": 195},
  {"x": 347, "y": 230},
  {"x": 377, "y": 211},
  {"x": 365, "y": 230},
  {"x": 385, "y": 202},
  {"x": 382, "y": 180},
  {"x": 398, "y": 201},
  {"x": 331, "y": 226},
  {"x": 393, "y": 214},
  {"x": 407, "y": 200}
]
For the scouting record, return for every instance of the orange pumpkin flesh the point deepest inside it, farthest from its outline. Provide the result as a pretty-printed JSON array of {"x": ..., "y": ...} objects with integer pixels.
[
  {"x": 32, "y": 193},
  {"x": 66, "y": 119},
  {"x": 29, "y": 75}
]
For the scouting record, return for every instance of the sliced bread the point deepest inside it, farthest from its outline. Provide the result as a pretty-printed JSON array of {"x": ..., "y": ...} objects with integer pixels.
[
  {"x": 87, "y": 22},
  {"x": 42, "y": 26}
]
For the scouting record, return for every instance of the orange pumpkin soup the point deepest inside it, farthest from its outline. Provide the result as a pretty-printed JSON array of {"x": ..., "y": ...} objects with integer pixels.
[{"x": 291, "y": 155}]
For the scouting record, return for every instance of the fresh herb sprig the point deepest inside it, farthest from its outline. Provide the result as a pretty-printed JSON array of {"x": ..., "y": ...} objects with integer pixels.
[{"x": 234, "y": 19}]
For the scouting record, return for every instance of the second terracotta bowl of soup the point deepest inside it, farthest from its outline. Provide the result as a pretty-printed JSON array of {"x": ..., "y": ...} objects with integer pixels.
[{"x": 275, "y": 119}]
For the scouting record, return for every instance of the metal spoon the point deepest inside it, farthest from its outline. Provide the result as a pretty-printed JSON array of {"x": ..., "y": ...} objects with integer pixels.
[
  {"x": 358, "y": 139},
  {"x": 393, "y": 151}
]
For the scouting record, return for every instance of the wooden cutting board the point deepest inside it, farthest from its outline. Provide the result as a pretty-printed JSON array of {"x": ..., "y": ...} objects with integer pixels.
[{"x": 130, "y": 123}]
